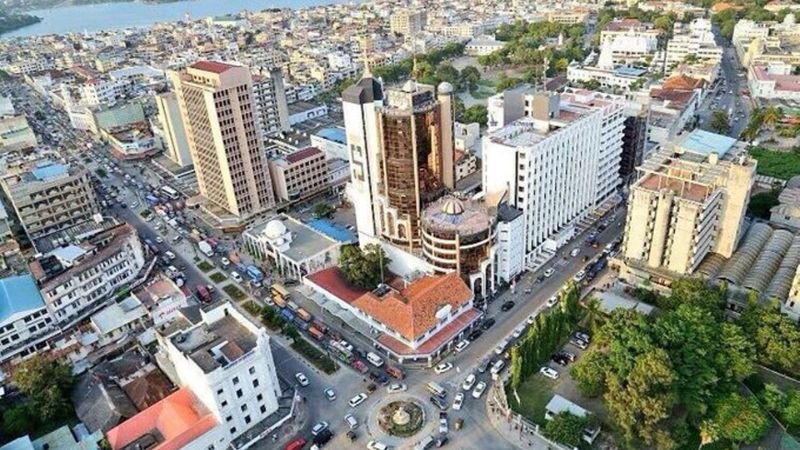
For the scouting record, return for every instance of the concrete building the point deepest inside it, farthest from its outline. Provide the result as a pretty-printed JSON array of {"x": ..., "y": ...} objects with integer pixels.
[
  {"x": 787, "y": 211},
  {"x": 630, "y": 40},
  {"x": 301, "y": 111},
  {"x": 25, "y": 322},
  {"x": 696, "y": 40},
  {"x": 510, "y": 238},
  {"x": 50, "y": 197},
  {"x": 174, "y": 132},
  {"x": 221, "y": 119},
  {"x": 482, "y": 45},
  {"x": 690, "y": 200},
  {"x": 293, "y": 247},
  {"x": 270, "y": 98},
  {"x": 299, "y": 175},
  {"x": 15, "y": 134},
  {"x": 332, "y": 141},
  {"x": 555, "y": 157},
  {"x": 132, "y": 142},
  {"x": 407, "y": 22},
  {"x": 77, "y": 280},
  {"x": 774, "y": 81}
]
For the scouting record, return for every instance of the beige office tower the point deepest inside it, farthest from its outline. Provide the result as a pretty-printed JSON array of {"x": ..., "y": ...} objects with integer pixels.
[
  {"x": 689, "y": 201},
  {"x": 219, "y": 113}
]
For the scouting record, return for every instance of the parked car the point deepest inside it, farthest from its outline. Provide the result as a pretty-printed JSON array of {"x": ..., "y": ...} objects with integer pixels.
[
  {"x": 236, "y": 277},
  {"x": 357, "y": 400},
  {"x": 479, "y": 388},
  {"x": 487, "y": 324},
  {"x": 549, "y": 372},
  {"x": 549, "y": 272},
  {"x": 552, "y": 301},
  {"x": 580, "y": 343},
  {"x": 468, "y": 382},
  {"x": 376, "y": 445},
  {"x": 443, "y": 367},
  {"x": 351, "y": 421},
  {"x": 518, "y": 331},
  {"x": 579, "y": 276},
  {"x": 301, "y": 378},
  {"x": 439, "y": 402},
  {"x": 461, "y": 346},
  {"x": 444, "y": 427},
  {"x": 458, "y": 401},
  {"x": 330, "y": 394},
  {"x": 225, "y": 262},
  {"x": 319, "y": 428},
  {"x": 484, "y": 365}
]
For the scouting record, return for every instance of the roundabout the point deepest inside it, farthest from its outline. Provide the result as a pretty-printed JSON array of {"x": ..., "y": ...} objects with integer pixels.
[{"x": 401, "y": 418}]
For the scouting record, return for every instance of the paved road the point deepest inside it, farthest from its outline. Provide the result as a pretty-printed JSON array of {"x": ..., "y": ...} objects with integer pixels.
[{"x": 726, "y": 95}]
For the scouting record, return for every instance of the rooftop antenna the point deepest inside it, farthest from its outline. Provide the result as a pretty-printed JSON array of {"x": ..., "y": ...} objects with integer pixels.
[{"x": 367, "y": 71}]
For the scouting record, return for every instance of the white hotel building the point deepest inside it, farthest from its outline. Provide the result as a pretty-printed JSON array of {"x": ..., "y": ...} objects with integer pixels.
[
  {"x": 556, "y": 158},
  {"x": 697, "y": 39}
]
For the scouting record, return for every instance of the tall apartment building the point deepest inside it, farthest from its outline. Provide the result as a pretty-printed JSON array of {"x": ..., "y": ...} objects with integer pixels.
[
  {"x": 77, "y": 280},
  {"x": 408, "y": 23},
  {"x": 221, "y": 118},
  {"x": 25, "y": 323},
  {"x": 270, "y": 97},
  {"x": 173, "y": 130},
  {"x": 50, "y": 197},
  {"x": 696, "y": 39},
  {"x": 556, "y": 158},
  {"x": 401, "y": 155},
  {"x": 299, "y": 175},
  {"x": 690, "y": 200},
  {"x": 229, "y": 388}
]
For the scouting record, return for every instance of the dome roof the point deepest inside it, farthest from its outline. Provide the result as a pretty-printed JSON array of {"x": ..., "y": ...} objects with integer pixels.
[
  {"x": 445, "y": 88},
  {"x": 452, "y": 206},
  {"x": 274, "y": 229}
]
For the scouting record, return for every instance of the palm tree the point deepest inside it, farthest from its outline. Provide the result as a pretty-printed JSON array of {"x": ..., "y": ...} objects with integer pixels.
[
  {"x": 594, "y": 315},
  {"x": 772, "y": 116}
]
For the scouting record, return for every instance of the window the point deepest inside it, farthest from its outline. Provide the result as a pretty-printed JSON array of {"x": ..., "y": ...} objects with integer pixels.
[
  {"x": 235, "y": 380},
  {"x": 263, "y": 409},
  {"x": 255, "y": 383},
  {"x": 228, "y": 419},
  {"x": 233, "y": 430},
  {"x": 246, "y": 419},
  {"x": 238, "y": 393},
  {"x": 244, "y": 407},
  {"x": 259, "y": 397},
  {"x": 252, "y": 370}
]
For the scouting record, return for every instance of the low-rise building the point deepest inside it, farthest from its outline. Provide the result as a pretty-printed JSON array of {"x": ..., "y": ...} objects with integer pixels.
[
  {"x": 299, "y": 175},
  {"x": 50, "y": 196},
  {"x": 135, "y": 141},
  {"x": 301, "y": 111},
  {"x": 773, "y": 81},
  {"x": 15, "y": 134},
  {"x": 162, "y": 298},
  {"x": 118, "y": 320},
  {"x": 25, "y": 322},
  {"x": 332, "y": 141},
  {"x": 483, "y": 45}
]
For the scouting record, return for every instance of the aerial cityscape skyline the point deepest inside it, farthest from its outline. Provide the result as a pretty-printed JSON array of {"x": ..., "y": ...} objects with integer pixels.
[{"x": 555, "y": 224}]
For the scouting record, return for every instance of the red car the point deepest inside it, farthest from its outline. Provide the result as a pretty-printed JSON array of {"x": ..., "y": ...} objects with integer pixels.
[{"x": 296, "y": 444}]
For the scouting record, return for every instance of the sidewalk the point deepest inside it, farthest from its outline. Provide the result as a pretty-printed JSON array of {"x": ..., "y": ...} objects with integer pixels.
[{"x": 514, "y": 432}]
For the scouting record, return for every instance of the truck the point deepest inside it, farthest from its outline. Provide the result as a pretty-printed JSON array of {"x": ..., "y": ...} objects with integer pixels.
[
  {"x": 316, "y": 333},
  {"x": 395, "y": 372},
  {"x": 205, "y": 248},
  {"x": 360, "y": 366},
  {"x": 320, "y": 325},
  {"x": 303, "y": 315},
  {"x": 281, "y": 303},
  {"x": 254, "y": 273},
  {"x": 203, "y": 294}
]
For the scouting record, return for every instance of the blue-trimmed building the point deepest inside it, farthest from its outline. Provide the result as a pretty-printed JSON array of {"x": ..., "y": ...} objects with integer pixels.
[{"x": 25, "y": 322}]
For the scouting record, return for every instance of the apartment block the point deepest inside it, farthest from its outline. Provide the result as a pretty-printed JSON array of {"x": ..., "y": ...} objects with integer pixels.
[
  {"x": 15, "y": 134},
  {"x": 556, "y": 158},
  {"x": 690, "y": 200},
  {"x": 407, "y": 22},
  {"x": 695, "y": 39},
  {"x": 221, "y": 118},
  {"x": 173, "y": 130},
  {"x": 25, "y": 322},
  {"x": 50, "y": 197},
  {"x": 299, "y": 175},
  {"x": 270, "y": 98},
  {"x": 78, "y": 279}
]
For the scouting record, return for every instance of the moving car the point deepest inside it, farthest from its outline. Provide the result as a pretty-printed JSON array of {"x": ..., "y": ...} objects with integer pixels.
[
  {"x": 458, "y": 401},
  {"x": 444, "y": 427},
  {"x": 478, "y": 391},
  {"x": 301, "y": 378},
  {"x": 330, "y": 394},
  {"x": 549, "y": 372},
  {"x": 319, "y": 428},
  {"x": 549, "y": 272},
  {"x": 507, "y": 305},
  {"x": 376, "y": 445},
  {"x": 357, "y": 400},
  {"x": 396, "y": 387},
  {"x": 443, "y": 367},
  {"x": 468, "y": 382},
  {"x": 351, "y": 421}
]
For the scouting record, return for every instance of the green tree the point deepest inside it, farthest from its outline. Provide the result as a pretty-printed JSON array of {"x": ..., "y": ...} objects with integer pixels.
[
  {"x": 772, "y": 115},
  {"x": 18, "y": 420},
  {"x": 364, "y": 268},
  {"x": 470, "y": 76},
  {"x": 720, "y": 122},
  {"x": 516, "y": 367},
  {"x": 47, "y": 385},
  {"x": 740, "y": 419},
  {"x": 777, "y": 338},
  {"x": 291, "y": 332},
  {"x": 566, "y": 428},
  {"x": 476, "y": 113},
  {"x": 791, "y": 410},
  {"x": 594, "y": 315},
  {"x": 323, "y": 210},
  {"x": 446, "y": 72},
  {"x": 589, "y": 373},
  {"x": 761, "y": 204},
  {"x": 774, "y": 399},
  {"x": 664, "y": 23}
]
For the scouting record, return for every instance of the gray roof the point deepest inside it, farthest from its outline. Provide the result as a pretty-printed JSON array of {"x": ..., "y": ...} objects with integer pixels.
[{"x": 366, "y": 90}]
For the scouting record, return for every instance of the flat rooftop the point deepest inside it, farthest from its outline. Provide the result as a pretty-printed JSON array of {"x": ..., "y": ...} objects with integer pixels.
[
  {"x": 681, "y": 188},
  {"x": 704, "y": 143},
  {"x": 306, "y": 241},
  {"x": 215, "y": 345}
]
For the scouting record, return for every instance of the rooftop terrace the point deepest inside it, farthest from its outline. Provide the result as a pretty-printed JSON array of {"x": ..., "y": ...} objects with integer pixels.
[{"x": 215, "y": 345}]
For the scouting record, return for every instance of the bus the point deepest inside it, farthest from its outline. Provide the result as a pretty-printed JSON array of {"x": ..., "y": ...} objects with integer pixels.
[
  {"x": 436, "y": 389},
  {"x": 278, "y": 291},
  {"x": 169, "y": 192}
]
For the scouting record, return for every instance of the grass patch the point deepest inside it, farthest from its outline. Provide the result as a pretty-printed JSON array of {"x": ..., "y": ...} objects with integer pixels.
[
  {"x": 320, "y": 360},
  {"x": 486, "y": 83},
  {"x": 252, "y": 307},
  {"x": 234, "y": 292},
  {"x": 773, "y": 163},
  {"x": 217, "y": 277},
  {"x": 534, "y": 392},
  {"x": 205, "y": 266}
]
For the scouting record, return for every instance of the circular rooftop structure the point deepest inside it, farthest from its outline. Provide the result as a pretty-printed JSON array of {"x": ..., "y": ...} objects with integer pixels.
[
  {"x": 452, "y": 206},
  {"x": 445, "y": 88},
  {"x": 274, "y": 229}
]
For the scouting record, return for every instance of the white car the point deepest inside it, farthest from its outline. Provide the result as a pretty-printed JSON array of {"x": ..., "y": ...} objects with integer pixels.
[
  {"x": 319, "y": 428},
  {"x": 396, "y": 387},
  {"x": 443, "y": 367},
  {"x": 549, "y": 272},
  {"x": 159, "y": 239},
  {"x": 170, "y": 255},
  {"x": 518, "y": 331},
  {"x": 376, "y": 445},
  {"x": 478, "y": 391},
  {"x": 301, "y": 378},
  {"x": 501, "y": 347},
  {"x": 549, "y": 372},
  {"x": 444, "y": 427},
  {"x": 236, "y": 277},
  {"x": 458, "y": 401},
  {"x": 351, "y": 421},
  {"x": 579, "y": 276},
  {"x": 468, "y": 382},
  {"x": 330, "y": 394},
  {"x": 575, "y": 252},
  {"x": 531, "y": 319},
  {"x": 224, "y": 261},
  {"x": 552, "y": 301},
  {"x": 461, "y": 346},
  {"x": 357, "y": 400}
]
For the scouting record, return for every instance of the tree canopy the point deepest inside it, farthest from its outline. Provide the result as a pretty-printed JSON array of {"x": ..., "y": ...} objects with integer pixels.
[{"x": 365, "y": 268}]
